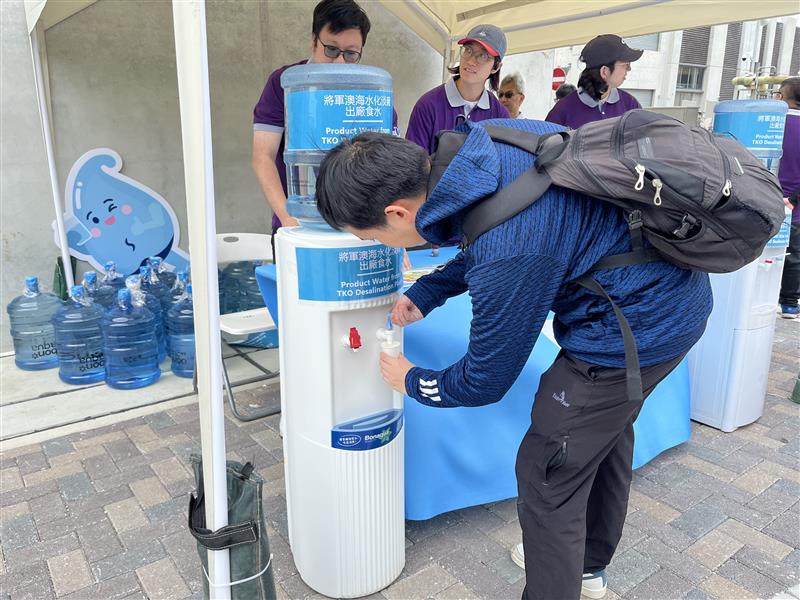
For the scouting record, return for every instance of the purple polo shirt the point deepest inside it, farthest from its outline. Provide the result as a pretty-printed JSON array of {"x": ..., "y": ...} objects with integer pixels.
[
  {"x": 443, "y": 108},
  {"x": 578, "y": 108},
  {"x": 789, "y": 167},
  {"x": 268, "y": 115}
]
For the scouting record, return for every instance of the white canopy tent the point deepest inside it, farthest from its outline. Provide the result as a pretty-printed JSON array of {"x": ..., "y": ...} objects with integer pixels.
[
  {"x": 529, "y": 25},
  {"x": 543, "y": 24}
]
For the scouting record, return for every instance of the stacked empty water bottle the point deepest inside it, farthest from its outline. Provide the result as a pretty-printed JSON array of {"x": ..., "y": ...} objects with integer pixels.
[
  {"x": 111, "y": 329},
  {"x": 239, "y": 291}
]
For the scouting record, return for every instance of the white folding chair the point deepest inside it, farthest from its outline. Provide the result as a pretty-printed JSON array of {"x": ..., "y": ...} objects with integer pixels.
[{"x": 236, "y": 247}]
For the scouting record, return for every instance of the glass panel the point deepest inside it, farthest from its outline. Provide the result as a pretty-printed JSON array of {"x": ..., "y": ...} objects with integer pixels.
[{"x": 644, "y": 42}]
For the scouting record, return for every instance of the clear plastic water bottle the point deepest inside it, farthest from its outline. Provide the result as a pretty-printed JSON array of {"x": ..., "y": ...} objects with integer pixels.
[
  {"x": 166, "y": 276},
  {"x": 141, "y": 297},
  {"x": 29, "y": 319},
  {"x": 241, "y": 288},
  {"x": 112, "y": 277},
  {"x": 179, "y": 287},
  {"x": 180, "y": 332},
  {"x": 103, "y": 294},
  {"x": 130, "y": 345},
  {"x": 152, "y": 284},
  {"x": 79, "y": 338}
]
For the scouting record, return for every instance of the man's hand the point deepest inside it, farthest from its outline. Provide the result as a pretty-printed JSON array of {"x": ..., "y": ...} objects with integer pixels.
[
  {"x": 405, "y": 312},
  {"x": 394, "y": 371},
  {"x": 289, "y": 221}
]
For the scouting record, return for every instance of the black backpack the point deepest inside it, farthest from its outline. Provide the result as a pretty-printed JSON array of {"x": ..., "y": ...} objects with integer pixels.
[{"x": 701, "y": 200}]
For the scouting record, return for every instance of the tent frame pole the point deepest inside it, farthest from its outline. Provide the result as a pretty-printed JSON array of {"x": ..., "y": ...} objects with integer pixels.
[
  {"x": 191, "y": 56},
  {"x": 45, "y": 118}
]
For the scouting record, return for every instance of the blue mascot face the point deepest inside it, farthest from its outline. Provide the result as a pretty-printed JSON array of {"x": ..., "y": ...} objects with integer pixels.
[{"x": 112, "y": 217}]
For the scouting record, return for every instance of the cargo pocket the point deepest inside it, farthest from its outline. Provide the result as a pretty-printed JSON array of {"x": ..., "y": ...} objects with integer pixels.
[{"x": 558, "y": 459}]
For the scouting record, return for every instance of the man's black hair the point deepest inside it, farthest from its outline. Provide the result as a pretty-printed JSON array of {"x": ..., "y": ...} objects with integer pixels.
[
  {"x": 360, "y": 177},
  {"x": 790, "y": 88},
  {"x": 340, "y": 15},
  {"x": 564, "y": 90},
  {"x": 592, "y": 83}
]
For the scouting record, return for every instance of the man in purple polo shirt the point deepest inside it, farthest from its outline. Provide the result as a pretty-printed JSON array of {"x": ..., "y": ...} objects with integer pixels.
[
  {"x": 789, "y": 176},
  {"x": 339, "y": 33},
  {"x": 464, "y": 96},
  {"x": 608, "y": 60}
]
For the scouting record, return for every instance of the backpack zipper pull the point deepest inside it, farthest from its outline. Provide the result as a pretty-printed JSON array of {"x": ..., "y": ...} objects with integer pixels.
[
  {"x": 658, "y": 185},
  {"x": 640, "y": 170},
  {"x": 726, "y": 190}
]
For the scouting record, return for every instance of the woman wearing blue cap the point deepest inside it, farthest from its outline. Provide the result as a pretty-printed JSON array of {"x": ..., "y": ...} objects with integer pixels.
[{"x": 464, "y": 96}]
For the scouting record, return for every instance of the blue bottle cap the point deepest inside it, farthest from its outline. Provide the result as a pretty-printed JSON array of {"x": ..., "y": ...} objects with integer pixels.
[
  {"x": 189, "y": 289},
  {"x": 77, "y": 291},
  {"x": 124, "y": 296},
  {"x": 90, "y": 276},
  {"x": 110, "y": 264},
  {"x": 31, "y": 281}
]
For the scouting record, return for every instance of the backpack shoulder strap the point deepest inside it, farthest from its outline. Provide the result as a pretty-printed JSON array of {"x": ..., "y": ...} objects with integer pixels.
[{"x": 504, "y": 204}]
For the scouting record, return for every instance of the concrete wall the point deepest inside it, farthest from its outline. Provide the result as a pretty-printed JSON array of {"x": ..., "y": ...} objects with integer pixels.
[
  {"x": 113, "y": 83},
  {"x": 26, "y": 244}
]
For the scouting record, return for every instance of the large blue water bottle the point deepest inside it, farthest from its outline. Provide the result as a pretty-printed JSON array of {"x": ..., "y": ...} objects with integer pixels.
[
  {"x": 166, "y": 276},
  {"x": 757, "y": 124},
  {"x": 180, "y": 333},
  {"x": 151, "y": 283},
  {"x": 29, "y": 319},
  {"x": 112, "y": 277},
  {"x": 325, "y": 104},
  {"x": 130, "y": 346},
  {"x": 179, "y": 287},
  {"x": 101, "y": 293},
  {"x": 141, "y": 297},
  {"x": 79, "y": 338}
]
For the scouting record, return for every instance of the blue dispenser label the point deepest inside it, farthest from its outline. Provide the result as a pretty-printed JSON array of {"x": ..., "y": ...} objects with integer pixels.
[
  {"x": 781, "y": 239},
  {"x": 758, "y": 132},
  {"x": 360, "y": 273},
  {"x": 320, "y": 119},
  {"x": 369, "y": 432}
]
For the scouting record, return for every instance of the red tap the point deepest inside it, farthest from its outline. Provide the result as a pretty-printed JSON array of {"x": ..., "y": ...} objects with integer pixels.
[{"x": 355, "y": 339}]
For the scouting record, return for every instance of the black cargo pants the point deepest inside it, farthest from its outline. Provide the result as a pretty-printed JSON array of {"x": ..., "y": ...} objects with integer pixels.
[{"x": 574, "y": 473}]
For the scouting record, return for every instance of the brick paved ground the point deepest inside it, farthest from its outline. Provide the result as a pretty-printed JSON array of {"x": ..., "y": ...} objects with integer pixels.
[{"x": 101, "y": 514}]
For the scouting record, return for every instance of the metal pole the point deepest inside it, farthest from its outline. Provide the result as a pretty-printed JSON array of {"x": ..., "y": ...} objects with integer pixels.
[
  {"x": 191, "y": 55},
  {"x": 44, "y": 115}
]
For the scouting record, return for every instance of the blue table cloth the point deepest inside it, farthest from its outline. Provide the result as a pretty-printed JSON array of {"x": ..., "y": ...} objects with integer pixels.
[{"x": 459, "y": 457}]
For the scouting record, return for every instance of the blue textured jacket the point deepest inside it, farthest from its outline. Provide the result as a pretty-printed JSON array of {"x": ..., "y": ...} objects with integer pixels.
[{"x": 521, "y": 269}]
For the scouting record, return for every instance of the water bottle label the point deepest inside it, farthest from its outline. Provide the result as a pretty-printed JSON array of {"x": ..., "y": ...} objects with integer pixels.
[
  {"x": 138, "y": 359},
  {"x": 43, "y": 348},
  {"x": 360, "y": 273},
  {"x": 320, "y": 119},
  {"x": 756, "y": 132},
  {"x": 91, "y": 362},
  {"x": 781, "y": 239}
]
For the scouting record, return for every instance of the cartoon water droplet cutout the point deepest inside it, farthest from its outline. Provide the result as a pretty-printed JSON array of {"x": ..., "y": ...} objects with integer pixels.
[{"x": 110, "y": 216}]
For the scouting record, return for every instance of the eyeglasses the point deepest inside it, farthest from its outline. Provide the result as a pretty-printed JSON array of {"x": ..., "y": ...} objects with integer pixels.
[
  {"x": 509, "y": 94},
  {"x": 350, "y": 56},
  {"x": 481, "y": 56}
]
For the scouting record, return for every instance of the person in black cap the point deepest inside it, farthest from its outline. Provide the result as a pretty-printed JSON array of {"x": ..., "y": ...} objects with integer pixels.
[{"x": 608, "y": 60}]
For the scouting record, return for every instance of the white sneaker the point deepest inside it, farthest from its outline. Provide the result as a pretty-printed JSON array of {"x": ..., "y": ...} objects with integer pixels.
[
  {"x": 593, "y": 585},
  {"x": 518, "y": 556}
]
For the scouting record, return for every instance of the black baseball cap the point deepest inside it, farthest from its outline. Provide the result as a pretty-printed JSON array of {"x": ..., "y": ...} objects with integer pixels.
[{"x": 606, "y": 49}]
